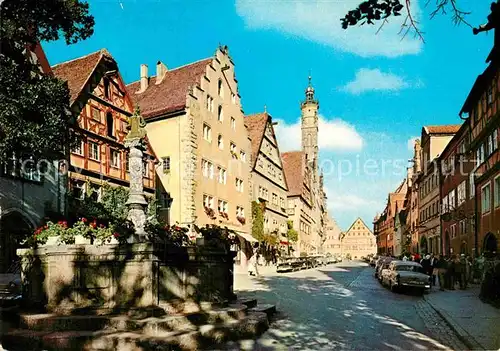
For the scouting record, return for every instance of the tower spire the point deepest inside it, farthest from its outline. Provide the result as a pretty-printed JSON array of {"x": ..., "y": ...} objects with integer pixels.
[{"x": 309, "y": 89}]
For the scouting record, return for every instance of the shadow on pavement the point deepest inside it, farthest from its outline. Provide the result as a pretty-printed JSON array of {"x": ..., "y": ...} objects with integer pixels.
[{"x": 329, "y": 310}]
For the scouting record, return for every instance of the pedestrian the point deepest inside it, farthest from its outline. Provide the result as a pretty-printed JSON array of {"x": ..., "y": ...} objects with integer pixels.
[
  {"x": 405, "y": 258},
  {"x": 441, "y": 270},
  {"x": 426, "y": 265},
  {"x": 253, "y": 263},
  {"x": 462, "y": 272},
  {"x": 468, "y": 268},
  {"x": 434, "y": 269},
  {"x": 452, "y": 271}
]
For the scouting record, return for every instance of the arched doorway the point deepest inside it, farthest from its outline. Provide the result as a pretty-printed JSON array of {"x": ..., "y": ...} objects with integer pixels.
[
  {"x": 447, "y": 243},
  {"x": 490, "y": 244},
  {"x": 423, "y": 245},
  {"x": 14, "y": 229}
]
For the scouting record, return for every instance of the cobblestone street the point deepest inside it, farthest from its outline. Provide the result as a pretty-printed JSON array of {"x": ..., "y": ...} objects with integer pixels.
[{"x": 342, "y": 306}]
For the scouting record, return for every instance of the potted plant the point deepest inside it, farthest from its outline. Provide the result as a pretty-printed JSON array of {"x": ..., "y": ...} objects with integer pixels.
[{"x": 241, "y": 219}]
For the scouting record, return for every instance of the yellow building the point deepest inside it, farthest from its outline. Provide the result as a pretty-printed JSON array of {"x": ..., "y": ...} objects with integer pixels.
[
  {"x": 332, "y": 244},
  {"x": 267, "y": 178},
  {"x": 196, "y": 127},
  {"x": 358, "y": 241}
]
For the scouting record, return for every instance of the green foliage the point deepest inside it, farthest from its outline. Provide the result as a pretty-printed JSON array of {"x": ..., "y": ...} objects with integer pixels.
[
  {"x": 292, "y": 234},
  {"x": 34, "y": 108},
  {"x": 216, "y": 236},
  {"x": 113, "y": 200},
  {"x": 164, "y": 234},
  {"x": 257, "y": 221}
]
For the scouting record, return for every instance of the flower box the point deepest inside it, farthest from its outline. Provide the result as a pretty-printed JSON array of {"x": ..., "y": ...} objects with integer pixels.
[{"x": 241, "y": 219}]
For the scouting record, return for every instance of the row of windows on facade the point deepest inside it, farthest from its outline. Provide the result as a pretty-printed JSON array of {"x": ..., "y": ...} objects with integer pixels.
[
  {"x": 486, "y": 149},
  {"x": 110, "y": 122},
  {"x": 222, "y": 206},
  {"x": 94, "y": 153},
  {"x": 207, "y": 168},
  {"x": 264, "y": 194},
  {"x": 462, "y": 228},
  {"x": 282, "y": 226},
  {"x": 486, "y": 195},
  {"x": 486, "y": 101},
  {"x": 220, "y": 113},
  {"x": 358, "y": 248},
  {"x": 80, "y": 189},
  {"x": 305, "y": 228},
  {"x": 272, "y": 170},
  {"x": 207, "y": 135}
]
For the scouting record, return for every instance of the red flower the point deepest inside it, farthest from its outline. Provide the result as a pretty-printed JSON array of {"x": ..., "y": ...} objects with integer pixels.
[
  {"x": 116, "y": 235},
  {"x": 101, "y": 225},
  {"x": 167, "y": 227},
  {"x": 177, "y": 228},
  {"x": 93, "y": 224},
  {"x": 84, "y": 220}
]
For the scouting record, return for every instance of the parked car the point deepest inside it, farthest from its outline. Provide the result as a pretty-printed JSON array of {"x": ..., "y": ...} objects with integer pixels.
[
  {"x": 10, "y": 288},
  {"x": 401, "y": 274},
  {"x": 382, "y": 263}
]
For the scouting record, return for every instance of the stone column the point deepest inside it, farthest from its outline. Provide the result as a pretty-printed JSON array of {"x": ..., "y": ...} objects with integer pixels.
[{"x": 136, "y": 200}]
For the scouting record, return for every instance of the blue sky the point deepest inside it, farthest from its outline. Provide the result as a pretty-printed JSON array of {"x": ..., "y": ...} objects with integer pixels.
[{"x": 376, "y": 91}]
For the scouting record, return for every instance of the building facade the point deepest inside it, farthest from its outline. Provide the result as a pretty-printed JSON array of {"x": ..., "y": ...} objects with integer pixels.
[
  {"x": 457, "y": 199},
  {"x": 358, "y": 241},
  {"x": 306, "y": 197},
  {"x": 332, "y": 244},
  {"x": 434, "y": 140},
  {"x": 413, "y": 196},
  {"x": 196, "y": 127},
  {"x": 28, "y": 189},
  {"x": 100, "y": 101},
  {"x": 481, "y": 108},
  {"x": 268, "y": 183}
]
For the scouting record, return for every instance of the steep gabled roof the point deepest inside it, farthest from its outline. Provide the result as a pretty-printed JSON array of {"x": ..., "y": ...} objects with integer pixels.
[
  {"x": 363, "y": 222},
  {"x": 256, "y": 126},
  {"x": 78, "y": 71},
  {"x": 293, "y": 163},
  {"x": 171, "y": 94}
]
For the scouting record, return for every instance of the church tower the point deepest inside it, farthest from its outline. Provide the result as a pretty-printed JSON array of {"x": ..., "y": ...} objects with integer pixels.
[{"x": 309, "y": 128}]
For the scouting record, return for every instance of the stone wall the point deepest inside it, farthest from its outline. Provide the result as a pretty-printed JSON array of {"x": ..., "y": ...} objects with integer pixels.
[{"x": 71, "y": 278}]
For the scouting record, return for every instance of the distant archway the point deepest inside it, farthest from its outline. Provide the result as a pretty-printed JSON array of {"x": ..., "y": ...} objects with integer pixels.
[
  {"x": 15, "y": 227},
  {"x": 490, "y": 244}
]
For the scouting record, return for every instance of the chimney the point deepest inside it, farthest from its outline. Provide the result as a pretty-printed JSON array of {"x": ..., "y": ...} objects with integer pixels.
[
  {"x": 161, "y": 70},
  {"x": 144, "y": 78}
]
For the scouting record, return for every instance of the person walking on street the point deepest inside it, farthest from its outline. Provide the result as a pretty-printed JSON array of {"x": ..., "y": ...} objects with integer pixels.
[
  {"x": 434, "y": 269},
  {"x": 450, "y": 273},
  {"x": 462, "y": 272},
  {"x": 426, "y": 265},
  {"x": 253, "y": 263},
  {"x": 440, "y": 266}
]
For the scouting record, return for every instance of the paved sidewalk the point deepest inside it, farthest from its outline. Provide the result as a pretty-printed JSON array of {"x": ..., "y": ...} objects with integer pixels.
[{"x": 477, "y": 323}]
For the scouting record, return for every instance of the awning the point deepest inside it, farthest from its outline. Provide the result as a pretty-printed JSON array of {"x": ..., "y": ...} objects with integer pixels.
[{"x": 247, "y": 237}]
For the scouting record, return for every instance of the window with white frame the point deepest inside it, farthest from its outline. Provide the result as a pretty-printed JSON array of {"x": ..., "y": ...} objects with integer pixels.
[
  {"x": 166, "y": 164},
  {"x": 78, "y": 189},
  {"x": 489, "y": 145},
  {"x": 232, "y": 147},
  {"x": 282, "y": 202},
  {"x": 461, "y": 193},
  {"x": 472, "y": 186},
  {"x": 243, "y": 156},
  {"x": 463, "y": 227},
  {"x": 210, "y": 103},
  {"x": 208, "y": 201},
  {"x": 445, "y": 206},
  {"x": 207, "y": 133},
  {"x": 115, "y": 158},
  {"x": 222, "y": 175},
  {"x": 94, "y": 151},
  {"x": 78, "y": 148},
  {"x": 496, "y": 192},
  {"x": 233, "y": 98},
  {"x": 220, "y": 142},
  {"x": 233, "y": 123},
  {"x": 220, "y": 114},
  {"x": 453, "y": 231},
  {"x": 240, "y": 211},
  {"x": 222, "y": 206},
  {"x": 275, "y": 199},
  {"x": 239, "y": 185},
  {"x": 486, "y": 198},
  {"x": 207, "y": 169},
  {"x": 145, "y": 169},
  {"x": 495, "y": 138},
  {"x": 480, "y": 155}
]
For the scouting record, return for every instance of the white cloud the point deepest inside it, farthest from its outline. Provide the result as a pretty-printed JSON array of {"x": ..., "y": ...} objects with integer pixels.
[
  {"x": 374, "y": 80},
  {"x": 334, "y": 135},
  {"x": 319, "y": 21},
  {"x": 411, "y": 143}
]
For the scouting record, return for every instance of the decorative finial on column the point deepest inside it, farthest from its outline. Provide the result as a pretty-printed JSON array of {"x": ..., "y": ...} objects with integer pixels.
[{"x": 265, "y": 108}]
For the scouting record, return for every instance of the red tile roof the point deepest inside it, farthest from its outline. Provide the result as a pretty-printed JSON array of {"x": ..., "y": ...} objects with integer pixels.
[
  {"x": 444, "y": 129},
  {"x": 293, "y": 163},
  {"x": 171, "y": 94},
  {"x": 256, "y": 126},
  {"x": 77, "y": 72}
]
